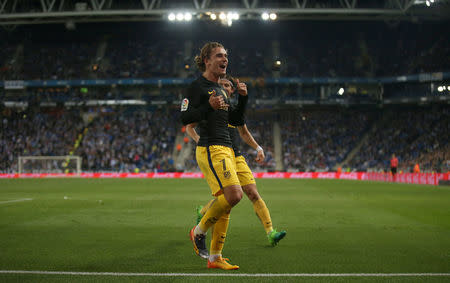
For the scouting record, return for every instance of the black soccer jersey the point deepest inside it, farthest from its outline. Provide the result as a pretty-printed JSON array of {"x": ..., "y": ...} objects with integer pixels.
[
  {"x": 213, "y": 124},
  {"x": 235, "y": 139}
]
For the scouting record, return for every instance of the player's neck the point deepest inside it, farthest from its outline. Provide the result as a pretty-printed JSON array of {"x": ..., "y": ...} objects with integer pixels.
[{"x": 211, "y": 77}]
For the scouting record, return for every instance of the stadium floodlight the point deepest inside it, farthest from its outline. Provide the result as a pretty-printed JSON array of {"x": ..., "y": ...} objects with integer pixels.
[
  {"x": 213, "y": 17},
  {"x": 171, "y": 17},
  {"x": 232, "y": 16},
  {"x": 278, "y": 63},
  {"x": 432, "y": 1},
  {"x": 222, "y": 16},
  {"x": 187, "y": 17},
  {"x": 448, "y": 88},
  {"x": 265, "y": 16},
  {"x": 428, "y": 3},
  {"x": 273, "y": 16},
  {"x": 180, "y": 17},
  {"x": 440, "y": 89},
  {"x": 341, "y": 91}
]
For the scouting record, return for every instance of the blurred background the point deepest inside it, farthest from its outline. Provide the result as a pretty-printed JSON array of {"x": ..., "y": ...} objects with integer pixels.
[{"x": 333, "y": 85}]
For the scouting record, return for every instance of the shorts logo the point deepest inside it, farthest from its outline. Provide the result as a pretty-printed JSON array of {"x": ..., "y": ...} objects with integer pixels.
[
  {"x": 227, "y": 174},
  {"x": 212, "y": 92},
  {"x": 184, "y": 104}
]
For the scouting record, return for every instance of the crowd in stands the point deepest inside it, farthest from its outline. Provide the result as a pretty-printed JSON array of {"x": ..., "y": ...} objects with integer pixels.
[
  {"x": 319, "y": 140},
  {"x": 142, "y": 59},
  {"x": 378, "y": 51},
  {"x": 118, "y": 140},
  {"x": 141, "y": 139},
  {"x": 57, "y": 60},
  {"x": 129, "y": 141},
  {"x": 36, "y": 133},
  {"x": 415, "y": 135},
  {"x": 7, "y": 63}
]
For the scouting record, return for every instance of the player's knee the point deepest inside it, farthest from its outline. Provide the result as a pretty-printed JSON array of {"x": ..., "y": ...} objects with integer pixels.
[
  {"x": 251, "y": 192},
  {"x": 233, "y": 194},
  {"x": 236, "y": 197}
]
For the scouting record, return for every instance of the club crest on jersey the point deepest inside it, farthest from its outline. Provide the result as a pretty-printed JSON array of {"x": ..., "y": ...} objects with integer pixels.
[
  {"x": 184, "y": 104},
  {"x": 212, "y": 92},
  {"x": 227, "y": 174}
]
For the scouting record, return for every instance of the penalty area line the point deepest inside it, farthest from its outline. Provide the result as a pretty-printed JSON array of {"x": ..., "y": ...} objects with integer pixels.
[
  {"x": 15, "y": 200},
  {"x": 123, "y": 274}
]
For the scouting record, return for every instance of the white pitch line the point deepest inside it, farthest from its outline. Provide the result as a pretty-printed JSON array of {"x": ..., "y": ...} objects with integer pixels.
[
  {"x": 15, "y": 200},
  {"x": 226, "y": 274}
]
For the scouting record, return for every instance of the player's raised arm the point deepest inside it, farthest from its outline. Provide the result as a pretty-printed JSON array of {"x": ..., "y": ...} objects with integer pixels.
[
  {"x": 237, "y": 112},
  {"x": 248, "y": 139}
]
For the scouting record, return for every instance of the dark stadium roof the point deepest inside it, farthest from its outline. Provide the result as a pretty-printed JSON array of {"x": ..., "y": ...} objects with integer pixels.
[{"x": 14, "y": 12}]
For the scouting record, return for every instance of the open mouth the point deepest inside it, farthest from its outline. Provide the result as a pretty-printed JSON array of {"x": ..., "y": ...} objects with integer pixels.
[{"x": 223, "y": 67}]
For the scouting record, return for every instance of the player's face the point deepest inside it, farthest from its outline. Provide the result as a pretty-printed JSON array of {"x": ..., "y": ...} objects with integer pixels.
[
  {"x": 226, "y": 84},
  {"x": 218, "y": 61}
]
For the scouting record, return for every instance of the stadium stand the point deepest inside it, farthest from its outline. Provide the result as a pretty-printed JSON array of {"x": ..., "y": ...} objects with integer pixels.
[
  {"x": 415, "y": 135},
  {"x": 318, "y": 140},
  {"x": 124, "y": 140},
  {"x": 37, "y": 133},
  {"x": 332, "y": 130},
  {"x": 379, "y": 51}
]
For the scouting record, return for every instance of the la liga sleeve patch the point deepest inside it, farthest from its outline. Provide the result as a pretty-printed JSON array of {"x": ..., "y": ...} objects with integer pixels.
[{"x": 184, "y": 104}]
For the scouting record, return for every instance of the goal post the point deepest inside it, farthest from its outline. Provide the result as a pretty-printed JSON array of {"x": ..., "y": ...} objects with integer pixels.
[{"x": 49, "y": 164}]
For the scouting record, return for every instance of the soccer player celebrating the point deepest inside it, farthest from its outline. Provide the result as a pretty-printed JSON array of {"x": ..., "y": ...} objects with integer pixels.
[
  {"x": 208, "y": 104},
  {"x": 243, "y": 171}
]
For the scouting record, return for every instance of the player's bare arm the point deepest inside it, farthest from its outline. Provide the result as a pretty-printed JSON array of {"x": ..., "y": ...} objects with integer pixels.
[
  {"x": 247, "y": 137},
  {"x": 190, "y": 129}
]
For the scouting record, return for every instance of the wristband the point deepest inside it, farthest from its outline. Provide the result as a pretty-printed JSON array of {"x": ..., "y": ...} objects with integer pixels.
[{"x": 259, "y": 148}]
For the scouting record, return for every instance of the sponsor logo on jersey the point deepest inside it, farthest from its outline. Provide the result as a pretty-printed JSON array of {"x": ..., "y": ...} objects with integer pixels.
[{"x": 184, "y": 104}]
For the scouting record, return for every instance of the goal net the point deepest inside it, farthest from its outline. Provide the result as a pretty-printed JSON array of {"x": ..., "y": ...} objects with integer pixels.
[{"x": 49, "y": 164}]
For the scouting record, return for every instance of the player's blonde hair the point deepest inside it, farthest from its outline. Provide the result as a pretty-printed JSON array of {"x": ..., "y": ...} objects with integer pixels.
[{"x": 205, "y": 52}]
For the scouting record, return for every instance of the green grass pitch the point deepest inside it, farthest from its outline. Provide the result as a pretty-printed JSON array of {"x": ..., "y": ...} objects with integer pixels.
[{"x": 142, "y": 225}]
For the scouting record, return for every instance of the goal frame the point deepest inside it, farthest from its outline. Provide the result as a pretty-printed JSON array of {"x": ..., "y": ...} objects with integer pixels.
[{"x": 77, "y": 159}]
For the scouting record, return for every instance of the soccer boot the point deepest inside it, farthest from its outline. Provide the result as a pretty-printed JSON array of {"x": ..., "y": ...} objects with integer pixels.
[
  {"x": 222, "y": 263},
  {"x": 199, "y": 243},
  {"x": 198, "y": 209},
  {"x": 274, "y": 237}
]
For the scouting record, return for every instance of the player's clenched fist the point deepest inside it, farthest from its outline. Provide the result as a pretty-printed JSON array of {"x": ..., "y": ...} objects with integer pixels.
[
  {"x": 260, "y": 156},
  {"x": 217, "y": 102}
]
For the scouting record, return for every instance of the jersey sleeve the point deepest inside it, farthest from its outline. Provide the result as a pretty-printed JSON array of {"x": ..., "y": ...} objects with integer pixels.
[
  {"x": 195, "y": 106},
  {"x": 236, "y": 115}
]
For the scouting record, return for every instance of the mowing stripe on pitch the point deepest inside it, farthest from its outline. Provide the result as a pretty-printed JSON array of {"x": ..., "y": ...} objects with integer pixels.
[
  {"x": 224, "y": 274},
  {"x": 15, "y": 200}
]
